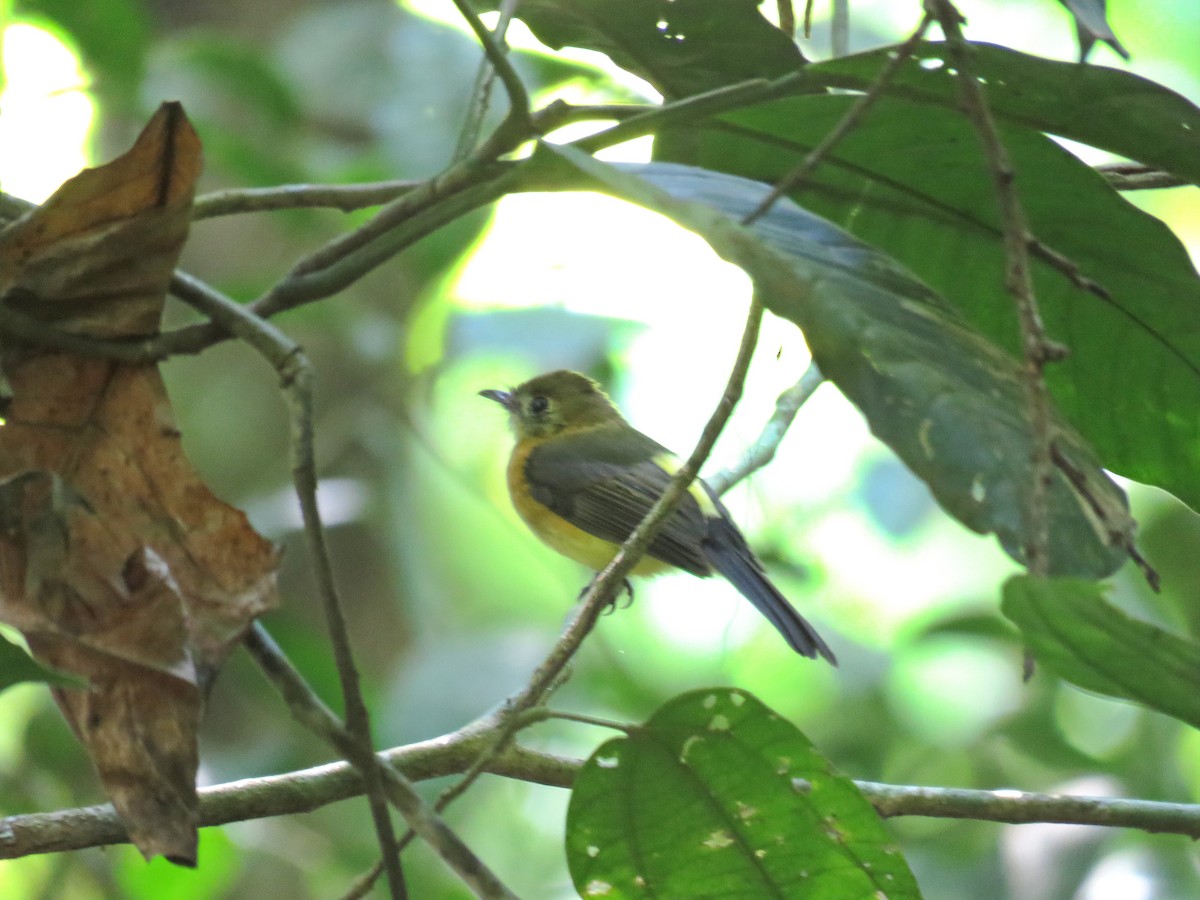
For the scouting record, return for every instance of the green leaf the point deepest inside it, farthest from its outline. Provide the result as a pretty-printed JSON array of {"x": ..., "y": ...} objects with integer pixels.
[
  {"x": 1079, "y": 636},
  {"x": 950, "y": 403},
  {"x": 681, "y": 47},
  {"x": 910, "y": 180},
  {"x": 1106, "y": 108},
  {"x": 717, "y": 796},
  {"x": 17, "y": 666}
]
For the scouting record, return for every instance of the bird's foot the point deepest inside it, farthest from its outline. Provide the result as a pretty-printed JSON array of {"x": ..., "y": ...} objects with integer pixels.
[{"x": 615, "y": 602}]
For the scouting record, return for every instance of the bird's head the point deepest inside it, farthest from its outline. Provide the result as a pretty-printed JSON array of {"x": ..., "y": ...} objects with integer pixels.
[{"x": 555, "y": 402}]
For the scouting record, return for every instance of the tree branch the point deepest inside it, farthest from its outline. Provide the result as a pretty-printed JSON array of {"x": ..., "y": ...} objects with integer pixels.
[
  {"x": 343, "y": 197},
  {"x": 310, "y": 789}
]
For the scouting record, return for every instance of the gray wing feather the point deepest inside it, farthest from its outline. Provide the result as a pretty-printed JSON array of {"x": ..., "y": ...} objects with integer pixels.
[{"x": 606, "y": 488}]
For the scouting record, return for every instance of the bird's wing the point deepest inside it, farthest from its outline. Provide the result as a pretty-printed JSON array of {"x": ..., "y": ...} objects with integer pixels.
[{"x": 605, "y": 480}]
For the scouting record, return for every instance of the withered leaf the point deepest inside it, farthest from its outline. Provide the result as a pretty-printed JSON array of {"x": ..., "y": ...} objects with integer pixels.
[{"x": 116, "y": 561}]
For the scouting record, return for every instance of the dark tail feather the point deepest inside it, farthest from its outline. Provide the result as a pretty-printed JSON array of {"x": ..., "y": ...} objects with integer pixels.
[{"x": 731, "y": 557}]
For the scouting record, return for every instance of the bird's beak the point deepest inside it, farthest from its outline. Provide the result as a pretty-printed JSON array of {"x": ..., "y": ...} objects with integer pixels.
[{"x": 504, "y": 398}]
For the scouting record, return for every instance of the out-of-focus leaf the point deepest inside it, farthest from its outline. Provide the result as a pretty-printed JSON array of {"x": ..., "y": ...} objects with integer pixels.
[
  {"x": 116, "y": 562},
  {"x": 950, "y": 403},
  {"x": 239, "y": 70},
  {"x": 1091, "y": 24},
  {"x": 377, "y": 79},
  {"x": 1081, "y": 637},
  {"x": 681, "y": 47},
  {"x": 970, "y": 624},
  {"x": 1113, "y": 110},
  {"x": 112, "y": 38},
  {"x": 717, "y": 796},
  {"x": 911, "y": 181}
]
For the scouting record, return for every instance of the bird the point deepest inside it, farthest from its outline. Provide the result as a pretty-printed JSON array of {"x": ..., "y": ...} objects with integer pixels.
[{"x": 582, "y": 478}]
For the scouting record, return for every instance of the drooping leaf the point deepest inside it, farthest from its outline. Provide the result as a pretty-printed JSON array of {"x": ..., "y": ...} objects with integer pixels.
[
  {"x": 950, "y": 403},
  {"x": 911, "y": 181},
  {"x": 116, "y": 562},
  {"x": 681, "y": 47},
  {"x": 1081, "y": 637},
  {"x": 717, "y": 796},
  {"x": 1106, "y": 108}
]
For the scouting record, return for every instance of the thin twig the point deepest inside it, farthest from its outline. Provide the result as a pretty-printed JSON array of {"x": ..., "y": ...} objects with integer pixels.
[
  {"x": 762, "y": 451},
  {"x": 343, "y": 197},
  {"x": 1068, "y": 267},
  {"x": 787, "y": 17},
  {"x": 545, "y": 714},
  {"x": 650, "y": 120},
  {"x": 481, "y": 94},
  {"x": 518, "y": 122},
  {"x": 1038, "y": 349},
  {"x": 848, "y": 123}
]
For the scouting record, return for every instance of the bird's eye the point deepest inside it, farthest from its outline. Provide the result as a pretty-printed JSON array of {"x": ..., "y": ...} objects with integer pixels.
[{"x": 538, "y": 405}]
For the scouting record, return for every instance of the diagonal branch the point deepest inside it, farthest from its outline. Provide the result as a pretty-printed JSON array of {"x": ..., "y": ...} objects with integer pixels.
[{"x": 762, "y": 451}]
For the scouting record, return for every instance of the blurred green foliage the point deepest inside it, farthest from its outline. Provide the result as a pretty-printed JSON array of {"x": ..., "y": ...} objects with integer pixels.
[{"x": 451, "y": 603}]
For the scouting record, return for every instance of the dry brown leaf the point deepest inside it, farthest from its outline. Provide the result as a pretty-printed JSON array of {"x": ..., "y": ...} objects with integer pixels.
[{"x": 116, "y": 561}]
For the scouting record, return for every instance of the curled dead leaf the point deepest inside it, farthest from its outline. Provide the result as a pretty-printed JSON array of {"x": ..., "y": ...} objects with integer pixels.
[{"x": 116, "y": 561}]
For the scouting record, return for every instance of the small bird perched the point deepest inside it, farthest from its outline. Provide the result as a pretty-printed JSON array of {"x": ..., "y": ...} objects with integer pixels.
[{"x": 582, "y": 478}]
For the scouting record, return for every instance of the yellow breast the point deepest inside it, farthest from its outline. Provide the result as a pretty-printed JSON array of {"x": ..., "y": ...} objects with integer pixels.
[{"x": 555, "y": 531}]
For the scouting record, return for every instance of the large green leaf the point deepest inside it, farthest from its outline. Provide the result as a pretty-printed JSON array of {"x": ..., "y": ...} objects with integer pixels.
[
  {"x": 911, "y": 181},
  {"x": 717, "y": 796},
  {"x": 950, "y": 403},
  {"x": 1106, "y": 108},
  {"x": 1079, "y": 636},
  {"x": 681, "y": 47}
]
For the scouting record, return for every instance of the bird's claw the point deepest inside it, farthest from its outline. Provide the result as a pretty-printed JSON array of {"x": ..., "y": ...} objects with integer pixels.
[{"x": 614, "y": 603}]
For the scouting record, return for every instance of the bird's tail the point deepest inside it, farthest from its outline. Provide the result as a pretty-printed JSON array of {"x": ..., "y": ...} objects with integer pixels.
[{"x": 730, "y": 556}]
